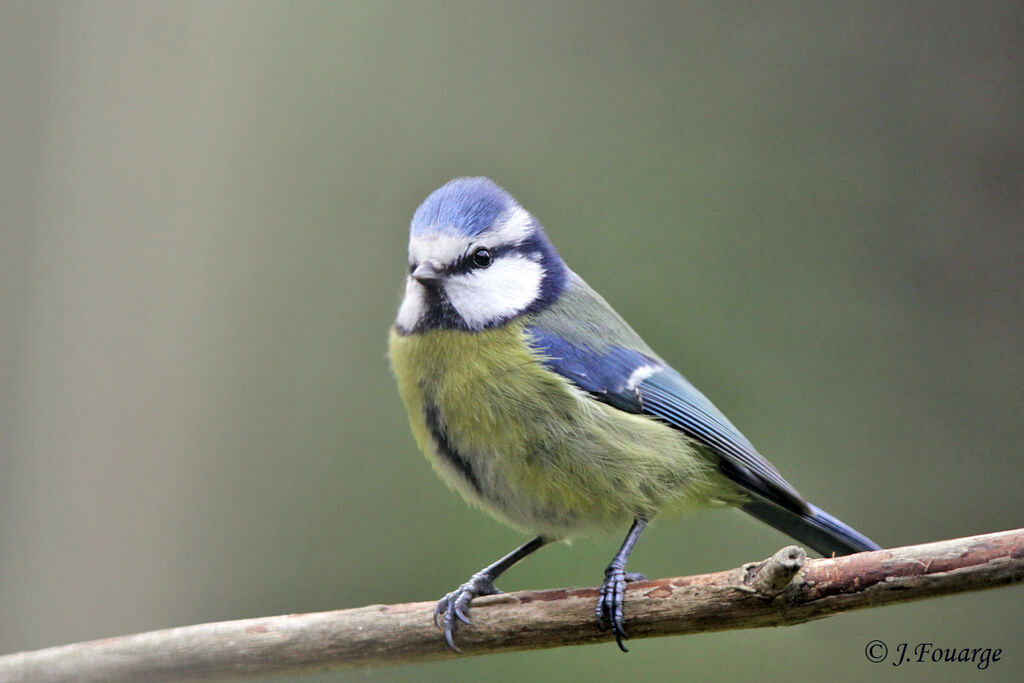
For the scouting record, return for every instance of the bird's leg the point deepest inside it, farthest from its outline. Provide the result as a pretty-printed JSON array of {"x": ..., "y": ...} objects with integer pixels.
[
  {"x": 454, "y": 605},
  {"x": 613, "y": 590}
]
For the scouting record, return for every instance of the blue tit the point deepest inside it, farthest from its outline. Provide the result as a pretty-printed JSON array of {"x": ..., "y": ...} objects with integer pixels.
[{"x": 535, "y": 400}]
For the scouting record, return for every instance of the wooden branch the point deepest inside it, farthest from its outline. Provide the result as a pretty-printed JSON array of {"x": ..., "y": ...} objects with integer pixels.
[{"x": 785, "y": 589}]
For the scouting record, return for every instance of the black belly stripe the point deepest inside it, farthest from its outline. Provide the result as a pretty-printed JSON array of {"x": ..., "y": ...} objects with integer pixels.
[{"x": 445, "y": 449}]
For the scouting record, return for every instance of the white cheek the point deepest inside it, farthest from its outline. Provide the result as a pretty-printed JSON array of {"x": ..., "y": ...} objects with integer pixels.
[
  {"x": 496, "y": 293},
  {"x": 412, "y": 306}
]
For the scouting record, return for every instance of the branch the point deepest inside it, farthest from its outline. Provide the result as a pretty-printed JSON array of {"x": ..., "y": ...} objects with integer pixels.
[{"x": 782, "y": 590}]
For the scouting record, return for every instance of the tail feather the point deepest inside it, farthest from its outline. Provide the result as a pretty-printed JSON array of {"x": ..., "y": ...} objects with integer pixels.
[{"x": 821, "y": 531}]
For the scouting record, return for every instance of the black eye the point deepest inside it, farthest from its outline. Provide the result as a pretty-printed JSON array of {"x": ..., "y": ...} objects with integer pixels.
[{"x": 482, "y": 258}]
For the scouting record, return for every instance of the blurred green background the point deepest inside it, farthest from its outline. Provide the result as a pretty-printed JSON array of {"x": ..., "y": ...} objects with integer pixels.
[{"x": 814, "y": 210}]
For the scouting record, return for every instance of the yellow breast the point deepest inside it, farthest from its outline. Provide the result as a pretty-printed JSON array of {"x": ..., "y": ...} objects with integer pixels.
[{"x": 526, "y": 445}]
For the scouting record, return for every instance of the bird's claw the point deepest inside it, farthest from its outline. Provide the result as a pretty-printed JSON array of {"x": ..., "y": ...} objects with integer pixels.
[
  {"x": 452, "y": 607},
  {"x": 609, "y": 605}
]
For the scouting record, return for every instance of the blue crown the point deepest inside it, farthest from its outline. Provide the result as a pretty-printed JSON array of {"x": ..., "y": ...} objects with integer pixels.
[{"x": 466, "y": 205}]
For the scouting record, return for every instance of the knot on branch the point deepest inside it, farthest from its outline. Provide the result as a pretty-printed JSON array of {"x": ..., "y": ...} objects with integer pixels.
[{"x": 770, "y": 577}]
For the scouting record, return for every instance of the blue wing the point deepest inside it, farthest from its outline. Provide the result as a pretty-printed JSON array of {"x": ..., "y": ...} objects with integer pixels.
[{"x": 639, "y": 382}]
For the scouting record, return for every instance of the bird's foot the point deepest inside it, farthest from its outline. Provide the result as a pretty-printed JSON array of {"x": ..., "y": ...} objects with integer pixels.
[
  {"x": 453, "y": 606},
  {"x": 609, "y": 605}
]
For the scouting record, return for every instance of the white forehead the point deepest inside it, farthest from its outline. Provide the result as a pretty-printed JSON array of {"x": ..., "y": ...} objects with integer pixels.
[{"x": 445, "y": 246}]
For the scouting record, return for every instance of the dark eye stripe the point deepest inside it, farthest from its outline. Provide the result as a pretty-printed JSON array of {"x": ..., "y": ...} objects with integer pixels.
[{"x": 466, "y": 263}]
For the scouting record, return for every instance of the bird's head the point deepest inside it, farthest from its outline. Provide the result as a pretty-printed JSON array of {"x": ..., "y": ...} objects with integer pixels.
[{"x": 477, "y": 259}]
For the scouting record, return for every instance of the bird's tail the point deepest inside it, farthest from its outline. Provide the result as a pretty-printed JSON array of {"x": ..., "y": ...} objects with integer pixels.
[{"x": 819, "y": 530}]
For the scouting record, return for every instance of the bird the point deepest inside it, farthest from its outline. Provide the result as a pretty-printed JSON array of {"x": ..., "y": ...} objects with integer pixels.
[{"x": 537, "y": 402}]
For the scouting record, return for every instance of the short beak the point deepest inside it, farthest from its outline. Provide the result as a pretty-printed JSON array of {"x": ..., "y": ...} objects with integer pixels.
[{"x": 427, "y": 273}]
